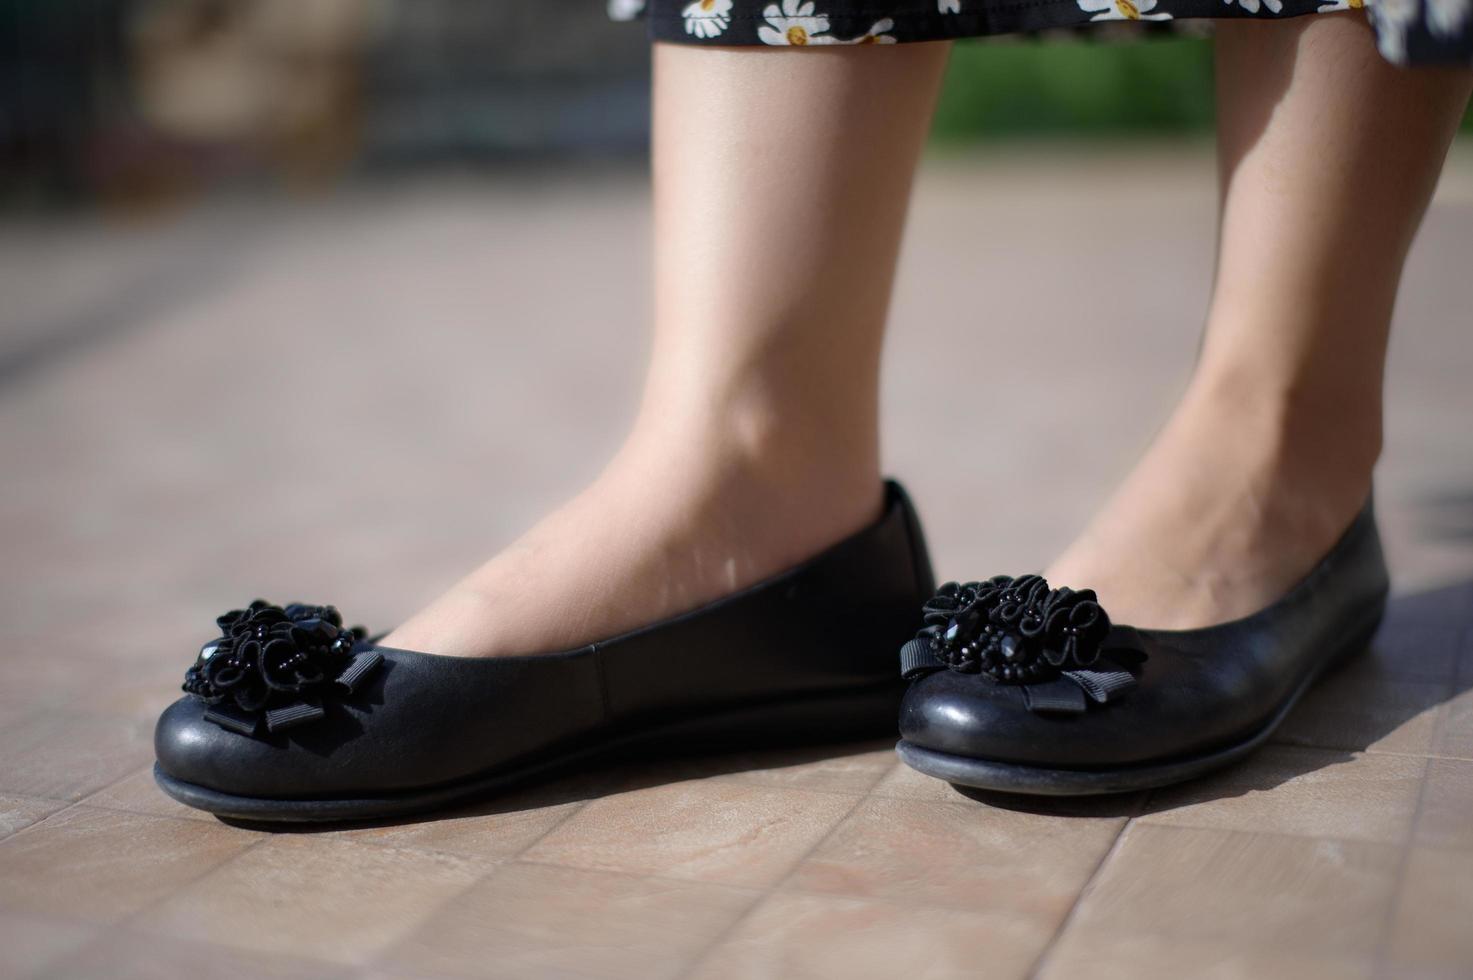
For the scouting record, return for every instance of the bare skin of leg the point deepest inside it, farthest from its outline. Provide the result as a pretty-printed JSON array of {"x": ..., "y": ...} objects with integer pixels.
[
  {"x": 1328, "y": 157},
  {"x": 781, "y": 185}
]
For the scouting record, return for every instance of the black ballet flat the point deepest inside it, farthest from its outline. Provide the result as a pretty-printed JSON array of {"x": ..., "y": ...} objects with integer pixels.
[
  {"x": 1020, "y": 688},
  {"x": 291, "y": 717}
]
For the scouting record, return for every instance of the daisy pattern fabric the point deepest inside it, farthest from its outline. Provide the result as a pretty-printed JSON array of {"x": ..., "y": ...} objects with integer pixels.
[{"x": 1408, "y": 32}]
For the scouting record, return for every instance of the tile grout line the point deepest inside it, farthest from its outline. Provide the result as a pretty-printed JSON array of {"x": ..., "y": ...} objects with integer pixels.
[
  {"x": 67, "y": 807},
  {"x": 1070, "y": 915},
  {"x": 744, "y": 780},
  {"x": 505, "y": 859},
  {"x": 30, "y": 827},
  {"x": 499, "y": 866},
  {"x": 61, "y": 805},
  {"x": 128, "y": 920},
  {"x": 635, "y": 875},
  {"x": 781, "y": 884},
  {"x": 377, "y": 959},
  {"x": 1265, "y": 832},
  {"x": 123, "y": 926},
  {"x": 1388, "y": 920},
  {"x": 764, "y": 894},
  {"x": 520, "y": 857},
  {"x": 112, "y": 808},
  {"x": 127, "y": 924}
]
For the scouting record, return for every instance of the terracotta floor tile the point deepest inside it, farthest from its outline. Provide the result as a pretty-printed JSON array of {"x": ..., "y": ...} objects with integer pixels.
[
  {"x": 793, "y": 936},
  {"x": 22, "y": 811},
  {"x": 64, "y": 757},
  {"x": 119, "y": 955},
  {"x": 959, "y": 855},
  {"x": 709, "y": 830},
  {"x": 29, "y": 944},
  {"x": 314, "y": 897},
  {"x": 1310, "y": 792},
  {"x": 538, "y": 920},
  {"x": 1431, "y": 929},
  {"x": 1349, "y": 711},
  {"x": 1455, "y": 733},
  {"x": 103, "y": 865},
  {"x": 138, "y": 793},
  {"x": 1199, "y": 884},
  {"x": 851, "y": 769},
  {"x": 904, "y": 783},
  {"x": 1445, "y": 819},
  {"x": 492, "y": 832},
  {"x": 1114, "y": 955}
]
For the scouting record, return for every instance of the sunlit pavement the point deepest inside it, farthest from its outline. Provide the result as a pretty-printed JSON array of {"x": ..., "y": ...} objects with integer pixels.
[{"x": 354, "y": 398}]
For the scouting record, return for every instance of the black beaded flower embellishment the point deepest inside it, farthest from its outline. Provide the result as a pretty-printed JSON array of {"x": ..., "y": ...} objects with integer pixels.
[
  {"x": 278, "y": 664},
  {"x": 1014, "y": 630}
]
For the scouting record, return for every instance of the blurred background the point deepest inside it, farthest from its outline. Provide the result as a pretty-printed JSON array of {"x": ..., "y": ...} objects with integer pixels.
[{"x": 142, "y": 103}]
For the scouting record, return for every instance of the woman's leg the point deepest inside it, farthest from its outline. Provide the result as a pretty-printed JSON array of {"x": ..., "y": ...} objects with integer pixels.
[
  {"x": 781, "y": 184},
  {"x": 1328, "y": 157}
]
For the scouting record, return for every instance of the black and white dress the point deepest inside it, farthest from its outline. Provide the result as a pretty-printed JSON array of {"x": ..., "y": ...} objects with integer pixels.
[{"x": 1408, "y": 32}]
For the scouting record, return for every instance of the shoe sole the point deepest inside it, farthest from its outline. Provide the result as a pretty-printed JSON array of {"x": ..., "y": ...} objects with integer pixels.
[
  {"x": 851, "y": 715},
  {"x": 1007, "y": 777}
]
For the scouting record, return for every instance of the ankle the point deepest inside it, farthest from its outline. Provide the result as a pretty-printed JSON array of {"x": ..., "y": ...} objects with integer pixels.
[
  {"x": 1310, "y": 450},
  {"x": 1296, "y": 412},
  {"x": 1307, "y": 384},
  {"x": 780, "y": 461}
]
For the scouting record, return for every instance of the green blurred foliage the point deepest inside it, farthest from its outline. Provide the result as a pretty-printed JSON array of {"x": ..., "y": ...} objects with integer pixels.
[{"x": 1157, "y": 85}]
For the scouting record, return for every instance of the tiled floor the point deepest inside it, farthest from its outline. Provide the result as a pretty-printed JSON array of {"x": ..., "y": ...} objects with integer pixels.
[{"x": 328, "y": 400}]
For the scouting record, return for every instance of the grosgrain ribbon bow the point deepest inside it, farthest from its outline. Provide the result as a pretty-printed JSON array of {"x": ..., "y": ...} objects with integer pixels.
[{"x": 1067, "y": 694}]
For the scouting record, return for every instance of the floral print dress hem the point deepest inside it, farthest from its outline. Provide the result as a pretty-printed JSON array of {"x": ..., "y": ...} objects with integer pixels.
[{"x": 1408, "y": 32}]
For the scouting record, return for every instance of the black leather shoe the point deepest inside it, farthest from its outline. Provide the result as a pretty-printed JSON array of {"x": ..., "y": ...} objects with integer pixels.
[
  {"x": 1024, "y": 689},
  {"x": 291, "y": 717}
]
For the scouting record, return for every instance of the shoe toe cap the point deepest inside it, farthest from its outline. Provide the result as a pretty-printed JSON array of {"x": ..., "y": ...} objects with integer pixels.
[
  {"x": 195, "y": 750},
  {"x": 960, "y": 715},
  {"x": 968, "y": 715}
]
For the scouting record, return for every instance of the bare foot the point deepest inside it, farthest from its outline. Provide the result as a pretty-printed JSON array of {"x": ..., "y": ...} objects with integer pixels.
[
  {"x": 1233, "y": 504},
  {"x": 654, "y": 536}
]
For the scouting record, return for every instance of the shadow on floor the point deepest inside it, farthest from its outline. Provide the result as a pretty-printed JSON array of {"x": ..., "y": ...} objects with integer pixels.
[
  {"x": 607, "y": 778},
  {"x": 1418, "y": 640}
]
